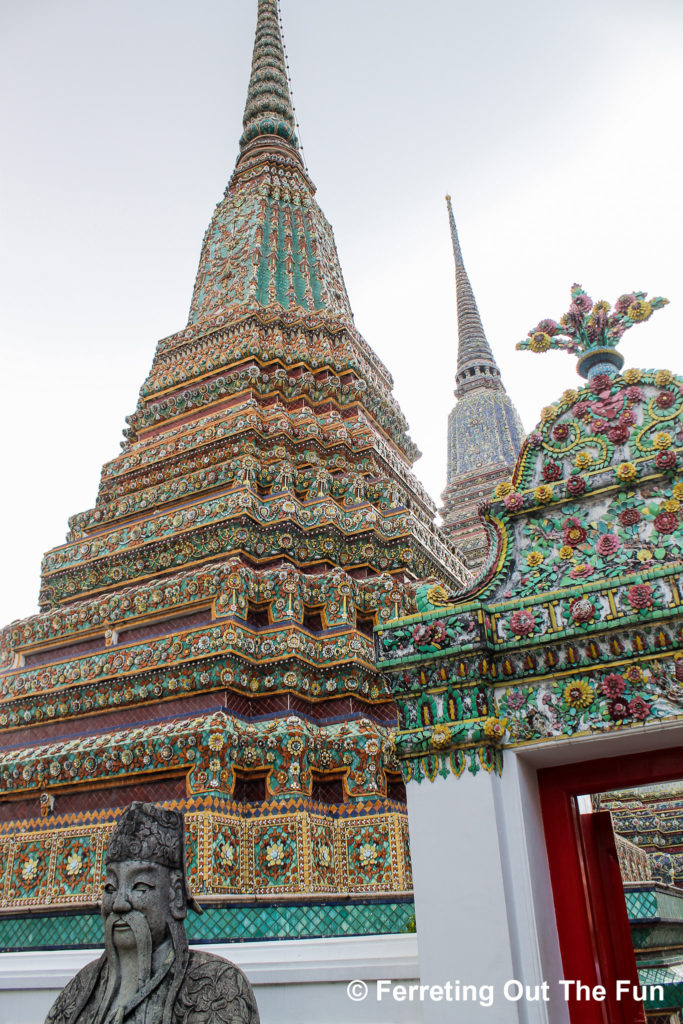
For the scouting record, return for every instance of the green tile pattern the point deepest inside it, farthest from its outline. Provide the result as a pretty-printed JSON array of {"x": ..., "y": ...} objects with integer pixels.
[
  {"x": 641, "y": 904},
  {"x": 672, "y": 981},
  {"x": 220, "y": 924}
]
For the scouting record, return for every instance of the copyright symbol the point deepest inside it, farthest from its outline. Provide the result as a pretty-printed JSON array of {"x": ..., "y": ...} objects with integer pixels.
[{"x": 357, "y": 990}]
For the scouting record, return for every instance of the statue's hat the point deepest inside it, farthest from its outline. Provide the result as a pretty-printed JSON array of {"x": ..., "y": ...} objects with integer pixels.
[{"x": 154, "y": 834}]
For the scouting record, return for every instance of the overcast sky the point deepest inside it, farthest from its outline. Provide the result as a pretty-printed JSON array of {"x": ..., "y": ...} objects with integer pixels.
[{"x": 555, "y": 127}]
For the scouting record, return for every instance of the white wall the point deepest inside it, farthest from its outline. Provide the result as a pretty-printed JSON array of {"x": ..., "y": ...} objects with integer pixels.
[
  {"x": 296, "y": 982},
  {"x": 460, "y": 904}
]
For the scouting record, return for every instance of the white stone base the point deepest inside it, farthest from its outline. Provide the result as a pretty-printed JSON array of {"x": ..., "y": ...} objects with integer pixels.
[{"x": 296, "y": 981}]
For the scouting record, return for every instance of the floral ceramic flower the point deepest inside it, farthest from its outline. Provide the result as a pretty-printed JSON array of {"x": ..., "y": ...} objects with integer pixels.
[
  {"x": 579, "y": 694},
  {"x": 570, "y": 395},
  {"x": 626, "y": 471},
  {"x": 582, "y": 610},
  {"x": 576, "y": 485},
  {"x": 665, "y": 522},
  {"x": 644, "y": 555},
  {"x": 543, "y": 494},
  {"x": 618, "y": 434},
  {"x": 665, "y": 399},
  {"x": 608, "y": 544},
  {"x": 634, "y": 674},
  {"x": 494, "y": 728},
  {"x": 535, "y": 440},
  {"x": 634, "y": 393},
  {"x": 612, "y": 686},
  {"x": 275, "y": 854},
  {"x": 600, "y": 382},
  {"x": 367, "y": 854},
  {"x": 438, "y": 595},
  {"x": 566, "y": 552},
  {"x": 421, "y": 634},
  {"x": 551, "y": 470},
  {"x": 677, "y": 491},
  {"x": 227, "y": 854},
  {"x": 640, "y": 596},
  {"x": 73, "y": 864},
  {"x": 561, "y": 431},
  {"x": 629, "y": 517},
  {"x": 29, "y": 869},
  {"x": 618, "y": 710},
  {"x": 548, "y": 412},
  {"x": 632, "y": 375},
  {"x": 503, "y": 488},
  {"x": 441, "y": 735},
  {"x": 639, "y": 708},
  {"x": 513, "y": 502},
  {"x": 216, "y": 741},
  {"x": 623, "y": 302},
  {"x": 662, "y": 440},
  {"x": 583, "y": 460},
  {"x": 515, "y": 699},
  {"x": 534, "y": 558},
  {"x": 666, "y": 460},
  {"x": 581, "y": 571},
  {"x": 663, "y": 377},
  {"x": 574, "y": 533},
  {"x": 522, "y": 623},
  {"x": 539, "y": 342},
  {"x": 640, "y": 309}
]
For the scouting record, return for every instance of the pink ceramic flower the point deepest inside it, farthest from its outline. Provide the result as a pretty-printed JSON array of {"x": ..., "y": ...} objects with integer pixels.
[
  {"x": 629, "y": 517},
  {"x": 665, "y": 522},
  {"x": 608, "y": 544},
  {"x": 582, "y": 610},
  {"x": 640, "y": 596},
  {"x": 522, "y": 623},
  {"x": 576, "y": 485},
  {"x": 618, "y": 710},
  {"x": 639, "y": 708},
  {"x": 612, "y": 686},
  {"x": 666, "y": 460},
  {"x": 513, "y": 502}
]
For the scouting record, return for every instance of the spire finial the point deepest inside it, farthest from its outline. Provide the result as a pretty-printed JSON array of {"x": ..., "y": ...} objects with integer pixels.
[
  {"x": 268, "y": 110},
  {"x": 593, "y": 330},
  {"x": 476, "y": 364}
]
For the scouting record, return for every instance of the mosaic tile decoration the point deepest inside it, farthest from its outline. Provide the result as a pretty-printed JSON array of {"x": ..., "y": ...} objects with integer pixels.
[
  {"x": 576, "y": 626},
  {"x": 205, "y": 632},
  {"x": 641, "y": 904},
  {"x": 243, "y": 923},
  {"x": 292, "y": 853}
]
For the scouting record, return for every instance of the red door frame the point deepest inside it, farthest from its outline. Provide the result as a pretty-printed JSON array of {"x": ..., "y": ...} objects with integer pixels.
[{"x": 591, "y": 934}]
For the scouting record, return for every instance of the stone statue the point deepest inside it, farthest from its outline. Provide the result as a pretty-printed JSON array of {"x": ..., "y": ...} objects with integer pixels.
[{"x": 148, "y": 974}]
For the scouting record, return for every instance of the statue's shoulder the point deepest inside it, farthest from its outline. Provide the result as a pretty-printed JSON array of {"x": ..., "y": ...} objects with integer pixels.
[
  {"x": 70, "y": 1000},
  {"x": 216, "y": 989}
]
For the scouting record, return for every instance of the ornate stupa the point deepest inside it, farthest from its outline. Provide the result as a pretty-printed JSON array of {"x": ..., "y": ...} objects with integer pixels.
[
  {"x": 485, "y": 432},
  {"x": 205, "y": 633}
]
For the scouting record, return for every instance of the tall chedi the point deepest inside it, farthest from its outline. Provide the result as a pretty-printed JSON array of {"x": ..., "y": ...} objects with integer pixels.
[
  {"x": 485, "y": 432},
  {"x": 205, "y": 633}
]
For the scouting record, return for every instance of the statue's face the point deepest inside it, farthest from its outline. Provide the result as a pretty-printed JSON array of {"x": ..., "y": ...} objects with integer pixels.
[{"x": 136, "y": 885}]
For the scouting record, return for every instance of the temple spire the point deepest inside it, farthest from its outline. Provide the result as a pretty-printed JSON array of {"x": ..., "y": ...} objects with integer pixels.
[
  {"x": 268, "y": 111},
  {"x": 484, "y": 429},
  {"x": 475, "y": 358}
]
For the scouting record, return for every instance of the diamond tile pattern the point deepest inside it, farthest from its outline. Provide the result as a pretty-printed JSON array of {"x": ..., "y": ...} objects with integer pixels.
[
  {"x": 219, "y": 924},
  {"x": 641, "y": 904}
]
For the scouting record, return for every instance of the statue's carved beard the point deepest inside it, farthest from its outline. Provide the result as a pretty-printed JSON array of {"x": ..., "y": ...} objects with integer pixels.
[{"x": 126, "y": 962}]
